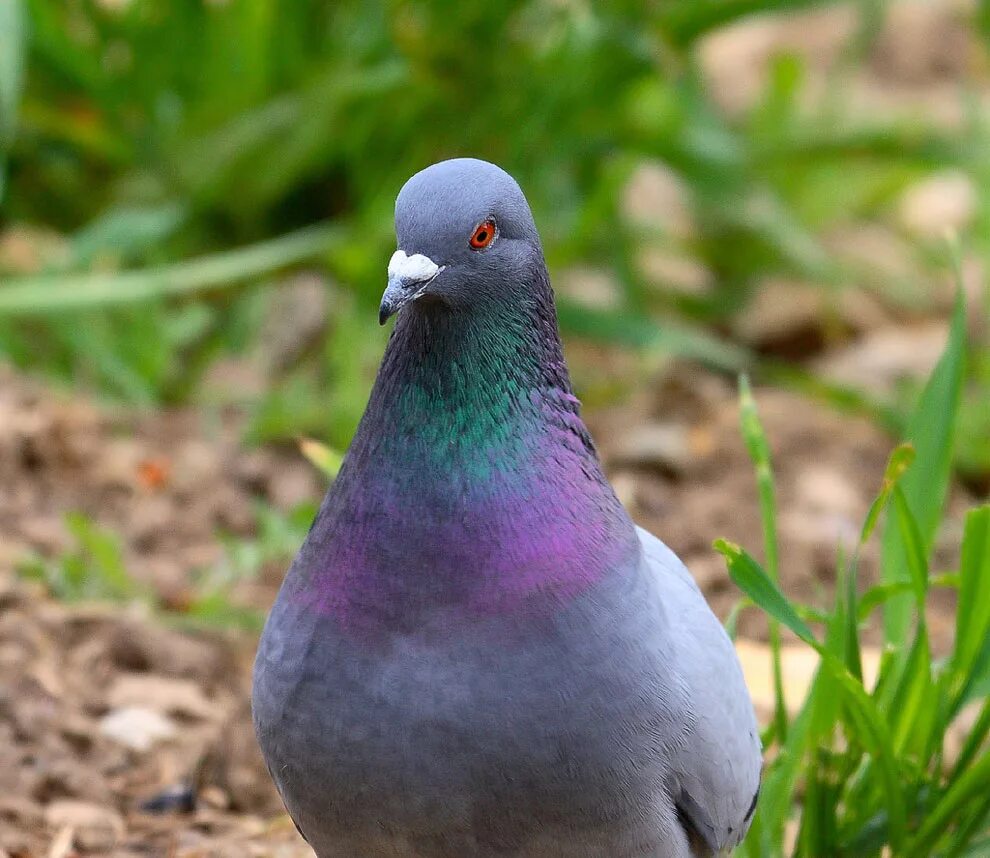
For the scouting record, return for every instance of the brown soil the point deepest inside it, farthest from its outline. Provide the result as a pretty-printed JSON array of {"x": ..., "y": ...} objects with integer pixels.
[{"x": 72, "y": 774}]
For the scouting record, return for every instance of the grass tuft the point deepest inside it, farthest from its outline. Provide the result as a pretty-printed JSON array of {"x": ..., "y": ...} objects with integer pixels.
[{"x": 866, "y": 771}]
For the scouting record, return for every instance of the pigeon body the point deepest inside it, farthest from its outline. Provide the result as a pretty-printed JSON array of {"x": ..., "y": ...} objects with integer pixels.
[{"x": 476, "y": 654}]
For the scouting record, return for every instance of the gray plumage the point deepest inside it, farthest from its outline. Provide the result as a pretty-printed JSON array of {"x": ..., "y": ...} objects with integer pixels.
[{"x": 601, "y": 719}]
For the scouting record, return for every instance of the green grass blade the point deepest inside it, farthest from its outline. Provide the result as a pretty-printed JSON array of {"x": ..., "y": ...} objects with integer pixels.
[
  {"x": 903, "y": 141},
  {"x": 124, "y": 231},
  {"x": 817, "y": 808},
  {"x": 913, "y": 693},
  {"x": 973, "y": 612},
  {"x": 750, "y": 577},
  {"x": 872, "y": 730},
  {"x": 898, "y": 463},
  {"x": 975, "y": 684},
  {"x": 732, "y": 620},
  {"x": 971, "y": 784},
  {"x": 853, "y": 612},
  {"x": 931, "y": 431},
  {"x": 324, "y": 457},
  {"x": 635, "y": 331},
  {"x": 870, "y": 725},
  {"x": 878, "y": 595},
  {"x": 39, "y": 296},
  {"x": 980, "y": 849},
  {"x": 846, "y": 617},
  {"x": 775, "y": 807},
  {"x": 105, "y": 573},
  {"x": 759, "y": 452},
  {"x": 13, "y": 38},
  {"x": 976, "y": 825},
  {"x": 975, "y": 740},
  {"x": 917, "y": 562}
]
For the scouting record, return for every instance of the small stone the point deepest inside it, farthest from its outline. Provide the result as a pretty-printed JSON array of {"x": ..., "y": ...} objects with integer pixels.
[
  {"x": 670, "y": 271},
  {"x": 882, "y": 359},
  {"x": 921, "y": 43},
  {"x": 215, "y": 797},
  {"x": 735, "y": 59},
  {"x": 163, "y": 694},
  {"x": 823, "y": 489},
  {"x": 709, "y": 571},
  {"x": 944, "y": 201},
  {"x": 664, "y": 446},
  {"x": 177, "y": 798},
  {"x": 21, "y": 810},
  {"x": 45, "y": 534},
  {"x": 784, "y": 317},
  {"x": 657, "y": 198},
  {"x": 624, "y": 486},
  {"x": 195, "y": 465},
  {"x": 95, "y": 828},
  {"x": 589, "y": 287},
  {"x": 875, "y": 247},
  {"x": 294, "y": 483},
  {"x": 137, "y": 728}
]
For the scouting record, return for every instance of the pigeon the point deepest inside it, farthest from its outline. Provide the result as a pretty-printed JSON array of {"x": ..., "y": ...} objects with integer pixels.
[{"x": 476, "y": 653}]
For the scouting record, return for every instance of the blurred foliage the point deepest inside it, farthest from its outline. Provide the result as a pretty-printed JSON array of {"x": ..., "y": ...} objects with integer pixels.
[
  {"x": 137, "y": 134},
  {"x": 925, "y": 488},
  {"x": 95, "y": 569},
  {"x": 895, "y": 765},
  {"x": 213, "y": 600}
]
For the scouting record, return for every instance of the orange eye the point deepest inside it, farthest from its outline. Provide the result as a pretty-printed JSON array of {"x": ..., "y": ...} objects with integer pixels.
[{"x": 483, "y": 236}]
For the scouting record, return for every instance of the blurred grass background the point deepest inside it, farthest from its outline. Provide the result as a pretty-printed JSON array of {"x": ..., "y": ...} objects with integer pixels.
[{"x": 164, "y": 163}]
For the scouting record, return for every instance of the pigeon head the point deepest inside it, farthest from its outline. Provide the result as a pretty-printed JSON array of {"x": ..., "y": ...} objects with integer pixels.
[{"x": 466, "y": 238}]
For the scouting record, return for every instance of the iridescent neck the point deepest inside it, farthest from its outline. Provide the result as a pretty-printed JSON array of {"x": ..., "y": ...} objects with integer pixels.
[{"x": 472, "y": 484}]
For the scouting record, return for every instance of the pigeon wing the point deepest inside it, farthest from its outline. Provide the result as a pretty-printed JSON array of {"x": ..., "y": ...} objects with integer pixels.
[{"x": 717, "y": 766}]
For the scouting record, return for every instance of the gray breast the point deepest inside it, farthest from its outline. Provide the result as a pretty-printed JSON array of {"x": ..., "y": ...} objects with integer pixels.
[{"x": 510, "y": 736}]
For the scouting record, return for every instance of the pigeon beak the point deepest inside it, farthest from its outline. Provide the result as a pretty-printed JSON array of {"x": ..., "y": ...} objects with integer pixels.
[{"x": 408, "y": 277}]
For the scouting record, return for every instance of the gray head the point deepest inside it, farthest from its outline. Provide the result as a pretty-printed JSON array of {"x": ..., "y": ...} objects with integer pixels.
[{"x": 465, "y": 235}]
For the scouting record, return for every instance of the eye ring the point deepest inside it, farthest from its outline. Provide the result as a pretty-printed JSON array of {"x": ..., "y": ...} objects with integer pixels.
[{"x": 483, "y": 235}]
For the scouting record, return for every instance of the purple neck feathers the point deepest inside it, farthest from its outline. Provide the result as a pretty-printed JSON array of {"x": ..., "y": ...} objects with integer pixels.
[{"x": 472, "y": 485}]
